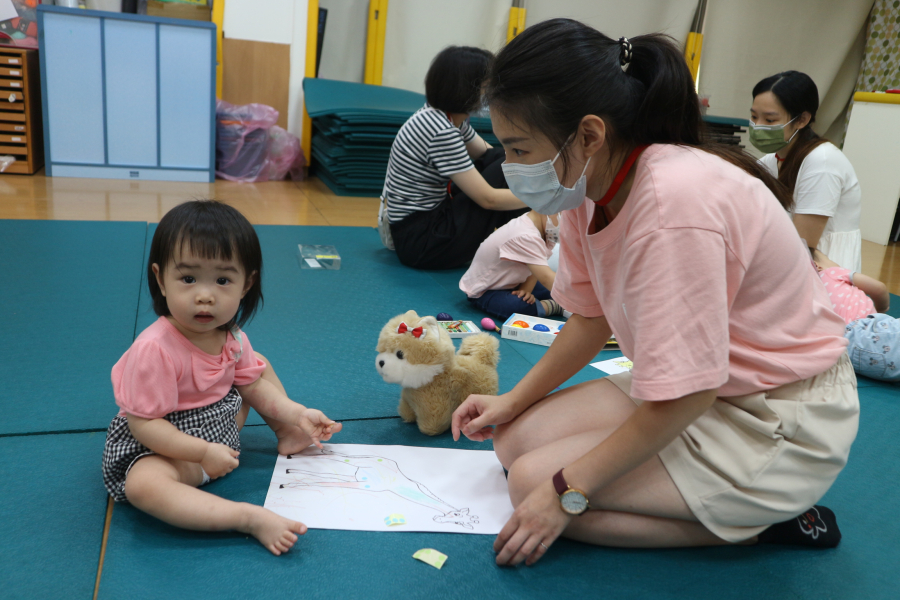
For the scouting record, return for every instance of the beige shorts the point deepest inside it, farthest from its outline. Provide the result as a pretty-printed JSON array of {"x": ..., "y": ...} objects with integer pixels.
[{"x": 751, "y": 461}]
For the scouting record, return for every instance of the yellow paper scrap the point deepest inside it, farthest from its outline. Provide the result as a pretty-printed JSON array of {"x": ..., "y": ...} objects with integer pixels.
[
  {"x": 394, "y": 519},
  {"x": 324, "y": 256},
  {"x": 431, "y": 556}
]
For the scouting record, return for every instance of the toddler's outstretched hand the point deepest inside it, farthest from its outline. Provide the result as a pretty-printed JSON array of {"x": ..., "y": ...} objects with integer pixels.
[
  {"x": 527, "y": 297},
  {"x": 219, "y": 460},
  {"x": 317, "y": 426}
]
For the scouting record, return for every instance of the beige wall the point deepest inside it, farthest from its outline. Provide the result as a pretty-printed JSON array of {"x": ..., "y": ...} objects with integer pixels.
[
  {"x": 744, "y": 41},
  {"x": 419, "y": 29}
]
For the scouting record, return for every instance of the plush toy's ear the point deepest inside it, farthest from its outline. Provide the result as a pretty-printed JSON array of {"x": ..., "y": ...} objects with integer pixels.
[
  {"x": 428, "y": 323},
  {"x": 410, "y": 317}
]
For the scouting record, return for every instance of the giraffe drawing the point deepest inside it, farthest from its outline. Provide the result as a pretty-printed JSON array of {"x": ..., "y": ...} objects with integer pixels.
[{"x": 375, "y": 474}]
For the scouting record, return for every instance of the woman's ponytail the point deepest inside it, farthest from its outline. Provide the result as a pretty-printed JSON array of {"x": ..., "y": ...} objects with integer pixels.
[{"x": 669, "y": 111}]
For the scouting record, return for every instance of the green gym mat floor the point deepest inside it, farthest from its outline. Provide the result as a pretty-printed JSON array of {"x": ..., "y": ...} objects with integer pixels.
[{"x": 75, "y": 295}]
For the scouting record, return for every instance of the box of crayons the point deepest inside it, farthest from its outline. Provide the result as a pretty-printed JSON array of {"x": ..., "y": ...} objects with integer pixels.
[
  {"x": 459, "y": 329},
  {"x": 534, "y": 330}
]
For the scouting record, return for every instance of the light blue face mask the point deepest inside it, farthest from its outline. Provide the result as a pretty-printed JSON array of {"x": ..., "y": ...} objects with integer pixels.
[{"x": 539, "y": 187}]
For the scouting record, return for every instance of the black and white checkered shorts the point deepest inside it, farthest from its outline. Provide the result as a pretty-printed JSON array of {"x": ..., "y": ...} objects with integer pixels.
[{"x": 214, "y": 423}]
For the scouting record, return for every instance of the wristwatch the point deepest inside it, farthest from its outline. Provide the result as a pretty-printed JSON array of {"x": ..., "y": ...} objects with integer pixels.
[{"x": 572, "y": 501}]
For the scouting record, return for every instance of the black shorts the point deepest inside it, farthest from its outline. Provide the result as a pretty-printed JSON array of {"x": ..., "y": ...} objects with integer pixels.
[
  {"x": 214, "y": 423},
  {"x": 448, "y": 236}
]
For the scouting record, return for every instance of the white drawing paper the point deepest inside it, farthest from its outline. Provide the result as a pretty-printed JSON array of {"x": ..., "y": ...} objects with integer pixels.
[
  {"x": 356, "y": 486},
  {"x": 614, "y": 365}
]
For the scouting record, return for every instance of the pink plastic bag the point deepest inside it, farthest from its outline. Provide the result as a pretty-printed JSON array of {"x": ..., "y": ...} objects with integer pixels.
[
  {"x": 250, "y": 147},
  {"x": 285, "y": 155}
]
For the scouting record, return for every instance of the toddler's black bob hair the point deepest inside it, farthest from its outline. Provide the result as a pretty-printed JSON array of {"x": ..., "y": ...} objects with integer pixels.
[
  {"x": 212, "y": 230},
  {"x": 455, "y": 77}
]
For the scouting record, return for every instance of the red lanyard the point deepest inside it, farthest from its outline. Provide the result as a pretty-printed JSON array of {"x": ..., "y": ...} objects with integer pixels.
[{"x": 620, "y": 176}]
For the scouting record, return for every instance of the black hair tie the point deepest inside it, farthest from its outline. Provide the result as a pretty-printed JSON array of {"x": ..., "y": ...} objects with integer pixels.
[{"x": 625, "y": 53}]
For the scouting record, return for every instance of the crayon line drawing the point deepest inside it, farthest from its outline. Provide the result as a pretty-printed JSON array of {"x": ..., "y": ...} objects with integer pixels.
[{"x": 372, "y": 474}]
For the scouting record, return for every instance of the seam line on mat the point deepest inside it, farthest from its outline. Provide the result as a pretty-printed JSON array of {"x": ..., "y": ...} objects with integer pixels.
[
  {"x": 57, "y": 432},
  {"x": 137, "y": 309},
  {"x": 109, "y": 510},
  {"x": 338, "y": 420},
  {"x": 68, "y": 431}
]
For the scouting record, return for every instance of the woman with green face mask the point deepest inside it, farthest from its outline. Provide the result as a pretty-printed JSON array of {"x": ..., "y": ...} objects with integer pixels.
[{"x": 824, "y": 185}]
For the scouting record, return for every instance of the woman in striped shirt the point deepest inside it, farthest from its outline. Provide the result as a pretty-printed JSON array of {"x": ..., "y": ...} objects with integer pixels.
[{"x": 436, "y": 224}]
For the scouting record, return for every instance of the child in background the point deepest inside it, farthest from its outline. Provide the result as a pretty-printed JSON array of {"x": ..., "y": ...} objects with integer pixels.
[
  {"x": 182, "y": 384},
  {"x": 874, "y": 338},
  {"x": 509, "y": 273}
]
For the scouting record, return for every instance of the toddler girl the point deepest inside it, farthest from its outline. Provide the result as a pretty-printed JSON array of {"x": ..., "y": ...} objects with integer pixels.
[
  {"x": 510, "y": 274},
  {"x": 182, "y": 384},
  {"x": 874, "y": 338}
]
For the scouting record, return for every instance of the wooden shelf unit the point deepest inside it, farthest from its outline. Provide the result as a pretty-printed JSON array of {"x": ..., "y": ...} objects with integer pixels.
[{"x": 21, "y": 131}]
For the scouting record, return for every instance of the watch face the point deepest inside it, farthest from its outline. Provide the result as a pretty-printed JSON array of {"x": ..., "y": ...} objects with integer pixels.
[{"x": 573, "y": 502}]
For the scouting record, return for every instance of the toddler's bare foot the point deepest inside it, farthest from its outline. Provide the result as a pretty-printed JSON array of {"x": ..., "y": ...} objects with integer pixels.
[
  {"x": 273, "y": 531},
  {"x": 291, "y": 439}
]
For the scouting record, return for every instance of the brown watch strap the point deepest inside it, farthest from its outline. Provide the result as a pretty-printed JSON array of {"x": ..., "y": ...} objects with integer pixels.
[{"x": 559, "y": 482}]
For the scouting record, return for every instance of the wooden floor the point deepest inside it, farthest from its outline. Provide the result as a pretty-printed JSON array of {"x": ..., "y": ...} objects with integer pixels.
[{"x": 306, "y": 202}]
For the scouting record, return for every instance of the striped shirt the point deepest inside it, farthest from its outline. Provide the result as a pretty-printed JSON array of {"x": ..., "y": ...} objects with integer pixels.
[{"x": 428, "y": 149}]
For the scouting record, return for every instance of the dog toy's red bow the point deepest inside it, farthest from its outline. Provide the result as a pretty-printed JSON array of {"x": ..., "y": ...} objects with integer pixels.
[{"x": 417, "y": 332}]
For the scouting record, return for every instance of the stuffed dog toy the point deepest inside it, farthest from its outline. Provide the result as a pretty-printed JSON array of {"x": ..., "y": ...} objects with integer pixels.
[{"x": 418, "y": 354}]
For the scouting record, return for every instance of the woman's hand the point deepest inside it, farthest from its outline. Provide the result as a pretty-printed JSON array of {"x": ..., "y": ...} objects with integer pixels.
[
  {"x": 219, "y": 460},
  {"x": 317, "y": 426},
  {"x": 526, "y": 296},
  {"x": 476, "y": 416},
  {"x": 538, "y": 520}
]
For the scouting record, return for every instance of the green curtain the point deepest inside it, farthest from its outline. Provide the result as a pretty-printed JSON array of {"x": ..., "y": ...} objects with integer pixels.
[{"x": 880, "y": 69}]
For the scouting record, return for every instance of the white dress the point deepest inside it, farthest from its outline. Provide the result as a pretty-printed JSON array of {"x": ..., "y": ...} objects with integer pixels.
[{"x": 827, "y": 185}]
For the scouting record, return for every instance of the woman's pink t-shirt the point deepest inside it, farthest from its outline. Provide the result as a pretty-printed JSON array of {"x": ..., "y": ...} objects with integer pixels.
[
  {"x": 163, "y": 372},
  {"x": 502, "y": 259},
  {"x": 848, "y": 301},
  {"x": 703, "y": 280}
]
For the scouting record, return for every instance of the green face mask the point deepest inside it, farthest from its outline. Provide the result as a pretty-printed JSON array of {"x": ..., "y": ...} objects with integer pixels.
[{"x": 769, "y": 138}]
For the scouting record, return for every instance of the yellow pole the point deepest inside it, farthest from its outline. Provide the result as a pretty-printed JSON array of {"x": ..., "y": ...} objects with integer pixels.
[
  {"x": 516, "y": 20},
  {"x": 513, "y": 24},
  {"x": 375, "y": 35},
  {"x": 312, "y": 38},
  {"x": 371, "y": 35},
  {"x": 379, "y": 41},
  {"x": 692, "y": 51},
  {"x": 218, "y": 17}
]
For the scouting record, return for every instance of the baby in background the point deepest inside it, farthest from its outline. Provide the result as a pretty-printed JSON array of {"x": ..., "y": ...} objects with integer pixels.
[
  {"x": 510, "y": 272},
  {"x": 874, "y": 338},
  {"x": 185, "y": 386}
]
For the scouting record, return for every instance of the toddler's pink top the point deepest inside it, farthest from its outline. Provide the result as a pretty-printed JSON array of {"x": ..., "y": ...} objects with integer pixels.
[
  {"x": 848, "y": 301},
  {"x": 703, "y": 280},
  {"x": 163, "y": 372},
  {"x": 502, "y": 259}
]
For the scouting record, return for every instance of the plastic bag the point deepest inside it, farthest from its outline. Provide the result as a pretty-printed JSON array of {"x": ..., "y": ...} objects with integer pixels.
[
  {"x": 242, "y": 139},
  {"x": 251, "y": 147},
  {"x": 285, "y": 156}
]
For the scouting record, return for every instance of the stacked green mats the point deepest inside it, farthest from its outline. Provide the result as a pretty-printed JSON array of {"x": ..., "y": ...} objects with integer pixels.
[{"x": 354, "y": 126}]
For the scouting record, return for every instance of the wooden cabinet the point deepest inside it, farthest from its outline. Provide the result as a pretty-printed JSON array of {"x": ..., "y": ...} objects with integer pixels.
[{"x": 21, "y": 134}]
